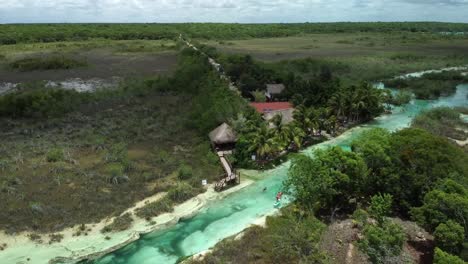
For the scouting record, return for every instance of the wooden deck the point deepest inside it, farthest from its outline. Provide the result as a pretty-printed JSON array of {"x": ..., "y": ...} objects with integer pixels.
[{"x": 230, "y": 177}]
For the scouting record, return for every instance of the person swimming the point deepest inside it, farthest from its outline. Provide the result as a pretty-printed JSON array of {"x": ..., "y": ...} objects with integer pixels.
[
  {"x": 278, "y": 196},
  {"x": 264, "y": 189}
]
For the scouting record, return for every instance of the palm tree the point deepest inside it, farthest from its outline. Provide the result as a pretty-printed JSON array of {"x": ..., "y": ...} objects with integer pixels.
[
  {"x": 338, "y": 103},
  {"x": 296, "y": 135},
  {"x": 280, "y": 131},
  {"x": 262, "y": 142},
  {"x": 305, "y": 118}
]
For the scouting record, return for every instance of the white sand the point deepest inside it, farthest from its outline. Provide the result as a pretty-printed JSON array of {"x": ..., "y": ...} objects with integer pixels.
[{"x": 20, "y": 249}]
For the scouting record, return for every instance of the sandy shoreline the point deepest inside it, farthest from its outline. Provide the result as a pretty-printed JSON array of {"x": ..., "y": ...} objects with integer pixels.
[{"x": 20, "y": 248}]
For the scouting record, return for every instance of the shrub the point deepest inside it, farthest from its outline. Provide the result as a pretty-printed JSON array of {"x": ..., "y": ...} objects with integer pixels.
[
  {"x": 55, "y": 155},
  {"x": 35, "y": 238},
  {"x": 185, "y": 172},
  {"x": 115, "y": 169},
  {"x": 360, "y": 217},
  {"x": 120, "y": 223},
  {"x": 181, "y": 193},
  {"x": 40, "y": 101},
  {"x": 381, "y": 242},
  {"x": 117, "y": 153},
  {"x": 449, "y": 236},
  {"x": 55, "y": 238},
  {"x": 46, "y": 63},
  {"x": 162, "y": 156},
  {"x": 441, "y": 257},
  {"x": 381, "y": 206},
  {"x": 156, "y": 208}
]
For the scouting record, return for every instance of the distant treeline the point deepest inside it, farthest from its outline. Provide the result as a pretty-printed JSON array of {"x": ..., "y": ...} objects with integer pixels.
[{"x": 31, "y": 33}]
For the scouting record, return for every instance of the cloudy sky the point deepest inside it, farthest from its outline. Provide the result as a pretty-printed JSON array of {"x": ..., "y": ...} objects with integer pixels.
[{"x": 244, "y": 11}]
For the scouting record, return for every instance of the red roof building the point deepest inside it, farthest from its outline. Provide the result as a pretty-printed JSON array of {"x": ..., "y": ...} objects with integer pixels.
[{"x": 270, "y": 107}]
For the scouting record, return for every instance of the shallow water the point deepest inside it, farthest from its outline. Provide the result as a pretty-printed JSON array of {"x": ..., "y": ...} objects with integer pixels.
[
  {"x": 421, "y": 73},
  {"x": 232, "y": 214}
]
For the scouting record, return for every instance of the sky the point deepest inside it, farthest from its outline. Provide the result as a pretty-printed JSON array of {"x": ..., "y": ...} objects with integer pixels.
[{"x": 241, "y": 11}]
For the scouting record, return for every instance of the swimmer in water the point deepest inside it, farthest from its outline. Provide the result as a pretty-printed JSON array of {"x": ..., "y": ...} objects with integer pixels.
[{"x": 264, "y": 189}]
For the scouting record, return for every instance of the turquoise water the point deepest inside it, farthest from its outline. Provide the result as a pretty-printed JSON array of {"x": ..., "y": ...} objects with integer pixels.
[{"x": 232, "y": 214}]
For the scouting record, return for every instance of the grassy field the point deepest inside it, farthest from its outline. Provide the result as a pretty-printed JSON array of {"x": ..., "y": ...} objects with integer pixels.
[
  {"x": 355, "y": 56},
  {"x": 104, "y": 59},
  {"x": 97, "y": 161}
]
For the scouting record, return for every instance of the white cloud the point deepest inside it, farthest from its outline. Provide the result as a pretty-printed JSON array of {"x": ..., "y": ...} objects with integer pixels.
[{"x": 13, "y": 11}]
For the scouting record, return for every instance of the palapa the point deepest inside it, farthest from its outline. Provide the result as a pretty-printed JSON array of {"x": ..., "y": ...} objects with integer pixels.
[{"x": 223, "y": 134}]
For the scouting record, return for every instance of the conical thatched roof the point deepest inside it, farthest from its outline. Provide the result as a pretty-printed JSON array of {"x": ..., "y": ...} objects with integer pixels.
[{"x": 223, "y": 134}]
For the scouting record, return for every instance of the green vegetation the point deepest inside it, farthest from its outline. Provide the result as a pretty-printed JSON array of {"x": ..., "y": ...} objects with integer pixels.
[
  {"x": 148, "y": 135},
  {"x": 383, "y": 240},
  {"x": 441, "y": 257},
  {"x": 12, "y": 34},
  {"x": 430, "y": 85},
  {"x": 55, "y": 155},
  {"x": 155, "y": 208},
  {"x": 178, "y": 194},
  {"x": 401, "y": 98},
  {"x": 449, "y": 236},
  {"x": 128, "y": 140},
  {"x": 448, "y": 201},
  {"x": 53, "y": 62},
  {"x": 291, "y": 237},
  {"x": 442, "y": 121},
  {"x": 119, "y": 223},
  {"x": 328, "y": 189},
  {"x": 418, "y": 169},
  {"x": 372, "y": 57},
  {"x": 40, "y": 102},
  {"x": 322, "y": 104}
]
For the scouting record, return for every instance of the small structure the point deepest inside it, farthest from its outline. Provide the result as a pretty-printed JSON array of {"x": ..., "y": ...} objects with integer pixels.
[
  {"x": 274, "y": 90},
  {"x": 230, "y": 176},
  {"x": 223, "y": 138},
  {"x": 269, "y": 110}
]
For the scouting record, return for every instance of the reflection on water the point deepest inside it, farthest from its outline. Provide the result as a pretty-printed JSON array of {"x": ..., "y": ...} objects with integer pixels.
[{"x": 228, "y": 216}]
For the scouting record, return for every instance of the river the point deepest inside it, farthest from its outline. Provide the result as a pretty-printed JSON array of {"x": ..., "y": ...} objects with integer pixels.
[{"x": 232, "y": 214}]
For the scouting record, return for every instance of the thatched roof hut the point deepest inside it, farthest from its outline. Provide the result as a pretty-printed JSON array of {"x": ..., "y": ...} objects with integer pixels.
[{"x": 222, "y": 135}]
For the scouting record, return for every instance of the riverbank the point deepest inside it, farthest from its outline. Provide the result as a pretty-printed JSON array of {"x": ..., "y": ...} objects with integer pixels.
[{"x": 71, "y": 249}]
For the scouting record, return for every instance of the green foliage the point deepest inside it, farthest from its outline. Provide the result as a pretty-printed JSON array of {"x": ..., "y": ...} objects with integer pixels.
[
  {"x": 441, "y": 121},
  {"x": 182, "y": 192},
  {"x": 55, "y": 155},
  {"x": 115, "y": 169},
  {"x": 381, "y": 207},
  {"x": 419, "y": 161},
  {"x": 153, "y": 209},
  {"x": 373, "y": 146},
  {"x": 402, "y": 97},
  {"x": 117, "y": 153},
  {"x": 449, "y": 236},
  {"x": 46, "y": 63},
  {"x": 28, "y": 33},
  {"x": 40, "y": 102},
  {"x": 162, "y": 156},
  {"x": 430, "y": 85},
  {"x": 292, "y": 237},
  {"x": 185, "y": 172},
  {"x": 448, "y": 201},
  {"x": 382, "y": 242},
  {"x": 441, "y": 257},
  {"x": 360, "y": 218},
  {"x": 329, "y": 180},
  {"x": 259, "y": 96},
  {"x": 119, "y": 223}
]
